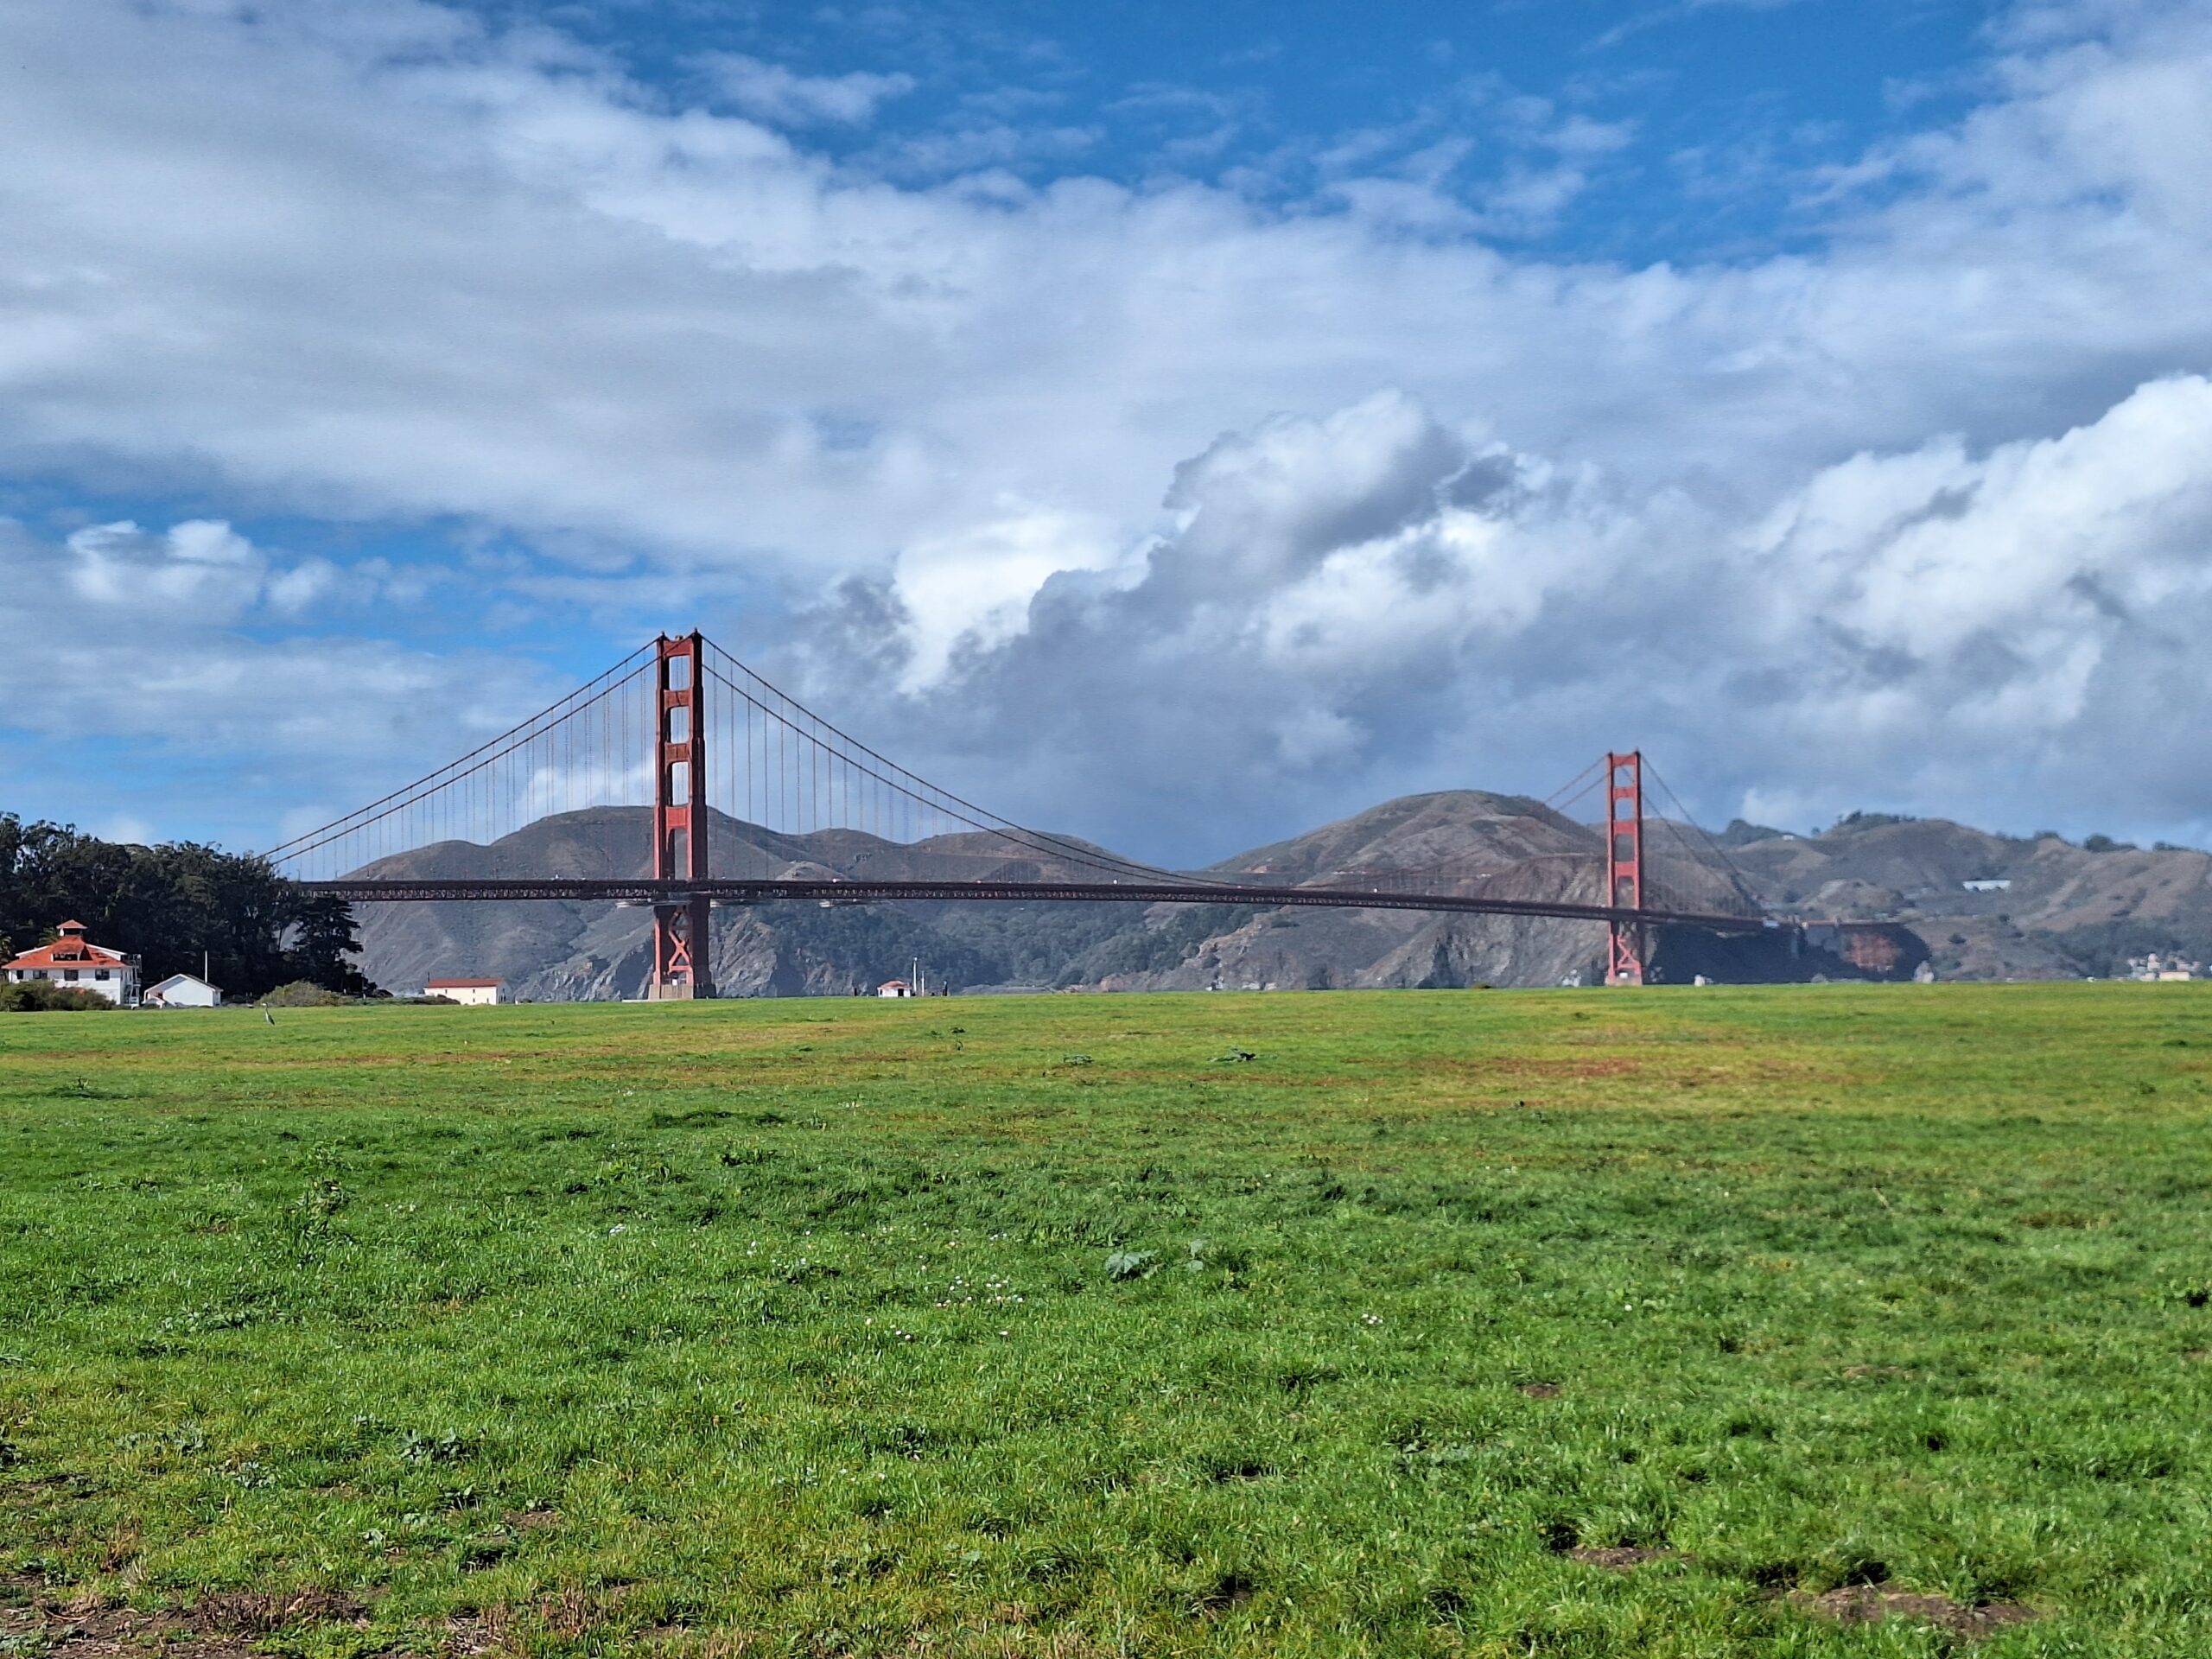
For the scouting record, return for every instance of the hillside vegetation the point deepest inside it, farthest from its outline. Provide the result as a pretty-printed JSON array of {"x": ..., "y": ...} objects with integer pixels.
[
  {"x": 2068, "y": 911},
  {"x": 1596, "y": 1324}
]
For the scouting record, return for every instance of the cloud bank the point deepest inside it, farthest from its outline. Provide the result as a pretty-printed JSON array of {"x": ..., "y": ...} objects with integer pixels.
[{"x": 1170, "y": 514}]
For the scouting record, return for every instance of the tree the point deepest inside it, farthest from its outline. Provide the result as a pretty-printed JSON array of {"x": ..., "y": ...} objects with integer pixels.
[
  {"x": 324, "y": 934},
  {"x": 175, "y": 906}
]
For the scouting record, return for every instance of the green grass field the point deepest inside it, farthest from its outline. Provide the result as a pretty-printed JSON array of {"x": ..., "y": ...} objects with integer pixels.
[{"x": 1305, "y": 1324}]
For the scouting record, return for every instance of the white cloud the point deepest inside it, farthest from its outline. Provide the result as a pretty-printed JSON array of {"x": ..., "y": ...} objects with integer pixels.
[
  {"x": 971, "y": 591},
  {"x": 2021, "y": 593},
  {"x": 200, "y": 570},
  {"x": 771, "y": 92},
  {"x": 1377, "y": 596},
  {"x": 161, "y": 642}
]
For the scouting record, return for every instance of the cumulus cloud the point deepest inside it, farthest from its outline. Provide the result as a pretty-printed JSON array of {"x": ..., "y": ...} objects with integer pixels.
[
  {"x": 1377, "y": 596},
  {"x": 2020, "y": 625}
]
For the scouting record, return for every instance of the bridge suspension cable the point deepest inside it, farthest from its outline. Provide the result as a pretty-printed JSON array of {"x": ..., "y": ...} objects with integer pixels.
[
  {"x": 1708, "y": 855},
  {"x": 584, "y": 750},
  {"x": 866, "y": 791}
]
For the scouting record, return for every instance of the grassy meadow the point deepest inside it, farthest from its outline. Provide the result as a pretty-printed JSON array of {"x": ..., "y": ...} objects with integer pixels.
[{"x": 1290, "y": 1325}]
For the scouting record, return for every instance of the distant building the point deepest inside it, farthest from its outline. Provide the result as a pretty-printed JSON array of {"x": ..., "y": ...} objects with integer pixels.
[
  {"x": 74, "y": 960},
  {"x": 2154, "y": 966},
  {"x": 477, "y": 992},
  {"x": 1987, "y": 884},
  {"x": 181, "y": 991},
  {"x": 894, "y": 988}
]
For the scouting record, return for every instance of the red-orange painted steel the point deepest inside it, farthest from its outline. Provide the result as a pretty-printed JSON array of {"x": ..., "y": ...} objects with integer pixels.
[
  {"x": 837, "y": 890},
  {"x": 682, "y": 963},
  {"x": 1624, "y": 866}
]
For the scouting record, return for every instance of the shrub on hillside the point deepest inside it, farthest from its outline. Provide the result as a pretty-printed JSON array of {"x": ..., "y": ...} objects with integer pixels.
[{"x": 43, "y": 996}]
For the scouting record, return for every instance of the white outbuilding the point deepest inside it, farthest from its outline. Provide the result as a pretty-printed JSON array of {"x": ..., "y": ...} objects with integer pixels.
[
  {"x": 476, "y": 993},
  {"x": 181, "y": 991}
]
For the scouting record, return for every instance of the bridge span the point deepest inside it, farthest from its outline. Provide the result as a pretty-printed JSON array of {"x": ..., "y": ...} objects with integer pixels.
[
  {"x": 644, "y": 890},
  {"x": 680, "y": 721}
]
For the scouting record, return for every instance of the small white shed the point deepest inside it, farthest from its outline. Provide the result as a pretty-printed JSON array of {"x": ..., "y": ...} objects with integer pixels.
[{"x": 181, "y": 991}]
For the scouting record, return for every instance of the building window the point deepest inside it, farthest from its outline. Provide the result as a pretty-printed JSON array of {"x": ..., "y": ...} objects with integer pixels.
[
  {"x": 68, "y": 973},
  {"x": 99, "y": 973}
]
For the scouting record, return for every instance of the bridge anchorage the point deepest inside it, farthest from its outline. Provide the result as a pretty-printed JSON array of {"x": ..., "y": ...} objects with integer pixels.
[{"x": 752, "y": 798}]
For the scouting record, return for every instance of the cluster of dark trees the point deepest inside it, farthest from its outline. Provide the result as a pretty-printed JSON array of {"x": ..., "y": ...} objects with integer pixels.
[{"x": 170, "y": 904}]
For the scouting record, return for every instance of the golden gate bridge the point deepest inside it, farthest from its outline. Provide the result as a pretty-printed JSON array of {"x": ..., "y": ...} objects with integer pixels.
[{"x": 680, "y": 722}]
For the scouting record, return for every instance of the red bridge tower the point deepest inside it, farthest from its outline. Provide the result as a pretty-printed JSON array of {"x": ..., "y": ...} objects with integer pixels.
[
  {"x": 682, "y": 964},
  {"x": 1624, "y": 866}
]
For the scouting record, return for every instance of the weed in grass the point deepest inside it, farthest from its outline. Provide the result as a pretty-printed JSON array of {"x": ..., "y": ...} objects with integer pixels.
[{"x": 1124, "y": 1264}]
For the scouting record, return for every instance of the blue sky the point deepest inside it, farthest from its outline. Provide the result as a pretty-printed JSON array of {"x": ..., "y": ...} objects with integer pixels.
[
  {"x": 1177, "y": 425},
  {"x": 1702, "y": 117}
]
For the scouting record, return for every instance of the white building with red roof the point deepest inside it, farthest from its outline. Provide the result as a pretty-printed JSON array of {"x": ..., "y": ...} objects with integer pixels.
[{"x": 73, "y": 960}]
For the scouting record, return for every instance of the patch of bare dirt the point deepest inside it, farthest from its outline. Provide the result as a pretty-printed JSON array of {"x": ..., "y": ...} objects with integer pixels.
[
  {"x": 1871, "y": 1604},
  {"x": 533, "y": 1520},
  {"x": 1537, "y": 1065},
  {"x": 574, "y": 1613},
  {"x": 1619, "y": 1558},
  {"x": 1856, "y": 1373},
  {"x": 1227, "y": 1594},
  {"x": 256, "y": 1613},
  {"x": 35, "y": 1618},
  {"x": 1539, "y": 1390},
  {"x": 1228, "y": 1473},
  {"x": 470, "y": 1634},
  {"x": 38, "y": 1485}
]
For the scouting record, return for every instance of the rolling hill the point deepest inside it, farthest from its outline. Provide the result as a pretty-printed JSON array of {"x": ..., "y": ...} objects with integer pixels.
[{"x": 2066, "y": 910}]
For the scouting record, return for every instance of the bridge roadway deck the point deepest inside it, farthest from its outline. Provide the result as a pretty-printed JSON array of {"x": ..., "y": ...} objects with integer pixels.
[{"x": 646, "y": 891}]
